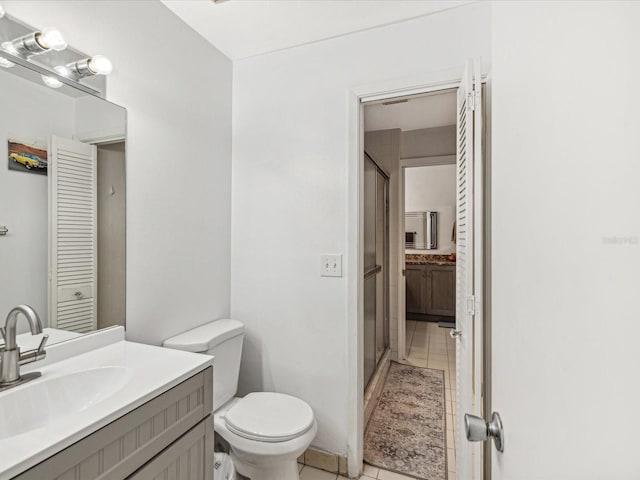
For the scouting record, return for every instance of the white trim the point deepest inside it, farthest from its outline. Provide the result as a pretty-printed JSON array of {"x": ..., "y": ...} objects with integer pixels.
[
  {"x": 486, "y": 313},
  {"x": 109, "y": 135},
  {"x": 414, "y": 85},
  {"x": 417, "y": 84},
  {"x": 355, "y": 320},
  {"x": 478, "y": 246},
  {"x": 427, "y": 161},
  {"x": 403, "y": 352}
]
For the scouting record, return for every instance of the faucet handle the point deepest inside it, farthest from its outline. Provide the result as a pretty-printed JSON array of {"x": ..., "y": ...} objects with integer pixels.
[
  {"x": 43, "y": 342},
  {"x": 34, "y": 355}
]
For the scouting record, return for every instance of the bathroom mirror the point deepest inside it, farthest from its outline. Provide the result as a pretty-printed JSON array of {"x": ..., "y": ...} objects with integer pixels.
[
  {"x": 62, "y": 204},
  {"x": 421, "y": 230}
]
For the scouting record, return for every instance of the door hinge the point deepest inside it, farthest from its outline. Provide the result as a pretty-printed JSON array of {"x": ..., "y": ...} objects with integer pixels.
[
  {"x": 471, "y": 305},
  {"x": 472, "y": 100}
]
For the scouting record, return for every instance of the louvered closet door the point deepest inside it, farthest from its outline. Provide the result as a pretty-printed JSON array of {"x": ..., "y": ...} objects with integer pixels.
[
  {"x": 468, "y": 267},
  {"x": 73, "y": 235}
]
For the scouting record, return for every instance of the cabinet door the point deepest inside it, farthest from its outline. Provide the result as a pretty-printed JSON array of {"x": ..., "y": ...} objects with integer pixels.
[
  {"x": 189, "y": 458},
  {"x": 416, "y": 286},
  {"x": 441, "y": 290}
]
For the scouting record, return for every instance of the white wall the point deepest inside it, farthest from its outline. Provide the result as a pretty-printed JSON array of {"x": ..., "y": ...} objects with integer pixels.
[
  {"x": 428, "y": 142},
  {"x": 177, "y": 91},
  {"x": 290, "y": 197},
  {"x": 433, "y": 189},
  {"x": 566, "y": 229},
  {"x": 32, "y": 113}
]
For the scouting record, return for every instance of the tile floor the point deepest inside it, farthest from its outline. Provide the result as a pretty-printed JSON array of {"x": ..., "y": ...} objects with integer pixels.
[
  {"x": 370, "y": 473},
  {"x": 432, "y": 347},
  {"x": 429, "y": 346}
]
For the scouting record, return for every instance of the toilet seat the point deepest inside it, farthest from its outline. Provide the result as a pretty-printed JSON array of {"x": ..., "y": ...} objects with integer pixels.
[{"x": 269, "y": 417}]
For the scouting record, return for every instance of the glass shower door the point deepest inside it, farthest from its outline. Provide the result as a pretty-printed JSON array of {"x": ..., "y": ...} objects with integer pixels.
[{"x": 376, "y": 288}]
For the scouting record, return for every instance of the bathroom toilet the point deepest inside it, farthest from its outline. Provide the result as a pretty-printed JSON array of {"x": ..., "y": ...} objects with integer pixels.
[{"x": 266, "y": 431}]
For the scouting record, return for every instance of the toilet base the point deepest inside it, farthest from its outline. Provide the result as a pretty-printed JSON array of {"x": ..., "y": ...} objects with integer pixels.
[{"x": 280, "y": 470}]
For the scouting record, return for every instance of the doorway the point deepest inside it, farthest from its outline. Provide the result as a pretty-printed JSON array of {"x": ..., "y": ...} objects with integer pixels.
[
  {"x": 111, "y": 221},
  {"x": 469, "y": 184},
  {"x": 414, "y": 137}
]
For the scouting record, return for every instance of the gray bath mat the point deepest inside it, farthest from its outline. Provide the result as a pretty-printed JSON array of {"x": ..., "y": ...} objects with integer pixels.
[{"x": 406, "y": 433}]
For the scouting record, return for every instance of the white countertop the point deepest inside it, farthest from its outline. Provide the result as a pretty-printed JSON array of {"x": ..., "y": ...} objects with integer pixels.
[
  {"x": 153, "y": 370},
  {"x": 28, "y": 341}
]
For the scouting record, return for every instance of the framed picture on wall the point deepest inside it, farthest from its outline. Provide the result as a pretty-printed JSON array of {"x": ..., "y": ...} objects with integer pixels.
[{"x": 27, "y": 157}]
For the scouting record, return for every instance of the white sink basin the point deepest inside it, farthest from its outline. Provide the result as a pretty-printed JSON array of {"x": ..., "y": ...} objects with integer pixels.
[
  {"x": 87, "y": 383},
  {"x": 47, "y": 400}
]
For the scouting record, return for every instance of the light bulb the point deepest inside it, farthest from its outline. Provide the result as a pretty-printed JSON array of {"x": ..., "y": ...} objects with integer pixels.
[
  {"x": 9, "y": 47},
  {"x": 6, "y": 63},
  {"x": 1, "y": 11},
  {"x": 100, "y": 65},
  {"x": 64, "y": 71},
  {"x": 51, "y": 39},
  {"x": 51, "y": 82}
]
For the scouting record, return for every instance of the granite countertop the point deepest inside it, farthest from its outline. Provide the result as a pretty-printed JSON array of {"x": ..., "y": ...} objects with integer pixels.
[{"x": 426, "y": 259}]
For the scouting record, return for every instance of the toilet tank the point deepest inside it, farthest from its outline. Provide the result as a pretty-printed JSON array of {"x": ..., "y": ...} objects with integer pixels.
[{"x": 222, "y": 339}]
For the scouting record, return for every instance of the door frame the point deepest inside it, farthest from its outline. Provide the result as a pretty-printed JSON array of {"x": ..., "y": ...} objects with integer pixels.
[{"x": 357, "y": 96}]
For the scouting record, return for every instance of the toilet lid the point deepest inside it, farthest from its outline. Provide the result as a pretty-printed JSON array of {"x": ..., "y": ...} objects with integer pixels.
[{"x": 269, "y": 417}]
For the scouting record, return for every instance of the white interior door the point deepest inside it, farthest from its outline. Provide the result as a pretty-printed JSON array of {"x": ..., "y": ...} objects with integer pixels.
[
  {"x": 73, "y": 259},
  {"x": 469, "y": 267}
]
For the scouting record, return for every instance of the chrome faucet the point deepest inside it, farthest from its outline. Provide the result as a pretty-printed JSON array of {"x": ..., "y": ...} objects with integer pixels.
[{"x": 10, "y": 356}]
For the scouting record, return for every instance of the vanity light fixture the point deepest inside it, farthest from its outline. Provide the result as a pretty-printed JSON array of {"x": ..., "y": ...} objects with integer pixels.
[
  {"x": 36, "y": 43},
  {"x": 96, "y": 65}
]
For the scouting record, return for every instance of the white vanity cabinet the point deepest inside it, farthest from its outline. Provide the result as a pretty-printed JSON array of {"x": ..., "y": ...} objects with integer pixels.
[{"x": 170, "y": 436}]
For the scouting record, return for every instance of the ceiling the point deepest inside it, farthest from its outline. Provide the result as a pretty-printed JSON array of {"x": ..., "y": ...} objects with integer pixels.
[
  {"x": 245, "y": 28},
  {"x": 434, "y": 110}
]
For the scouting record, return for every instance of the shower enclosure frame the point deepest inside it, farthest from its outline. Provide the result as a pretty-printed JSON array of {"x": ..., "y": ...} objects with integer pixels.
[{"x": 380, "y": 345}]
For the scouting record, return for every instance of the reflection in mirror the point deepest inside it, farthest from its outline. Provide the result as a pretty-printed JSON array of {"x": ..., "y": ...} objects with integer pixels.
[
  {"x": 62, "y": 201},
  {"x": 421, "y": 230}
]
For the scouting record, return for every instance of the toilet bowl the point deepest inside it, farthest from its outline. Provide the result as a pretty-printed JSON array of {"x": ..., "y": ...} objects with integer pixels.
[{"x": 266, "y": 431}]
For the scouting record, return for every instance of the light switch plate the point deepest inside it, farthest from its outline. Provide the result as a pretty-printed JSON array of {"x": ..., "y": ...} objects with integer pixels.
[{"x": 330, "y": 265}]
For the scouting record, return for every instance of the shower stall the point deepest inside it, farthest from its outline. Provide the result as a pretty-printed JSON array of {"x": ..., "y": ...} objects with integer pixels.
[{"x": 376, "y": 265}]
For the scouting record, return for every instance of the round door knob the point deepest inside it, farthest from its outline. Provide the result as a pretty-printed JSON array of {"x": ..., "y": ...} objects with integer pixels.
[{"x": 478, "y": 430}]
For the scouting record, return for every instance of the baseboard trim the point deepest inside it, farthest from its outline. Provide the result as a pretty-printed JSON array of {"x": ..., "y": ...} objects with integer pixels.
[{"x": 327, "y": 461}]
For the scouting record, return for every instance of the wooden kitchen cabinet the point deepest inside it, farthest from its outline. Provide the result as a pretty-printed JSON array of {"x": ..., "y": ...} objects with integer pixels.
[
  {"x": 416, "y": 280},
  {"x": 441, "y": 290},
  {"x": 431, "y": 289}
]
